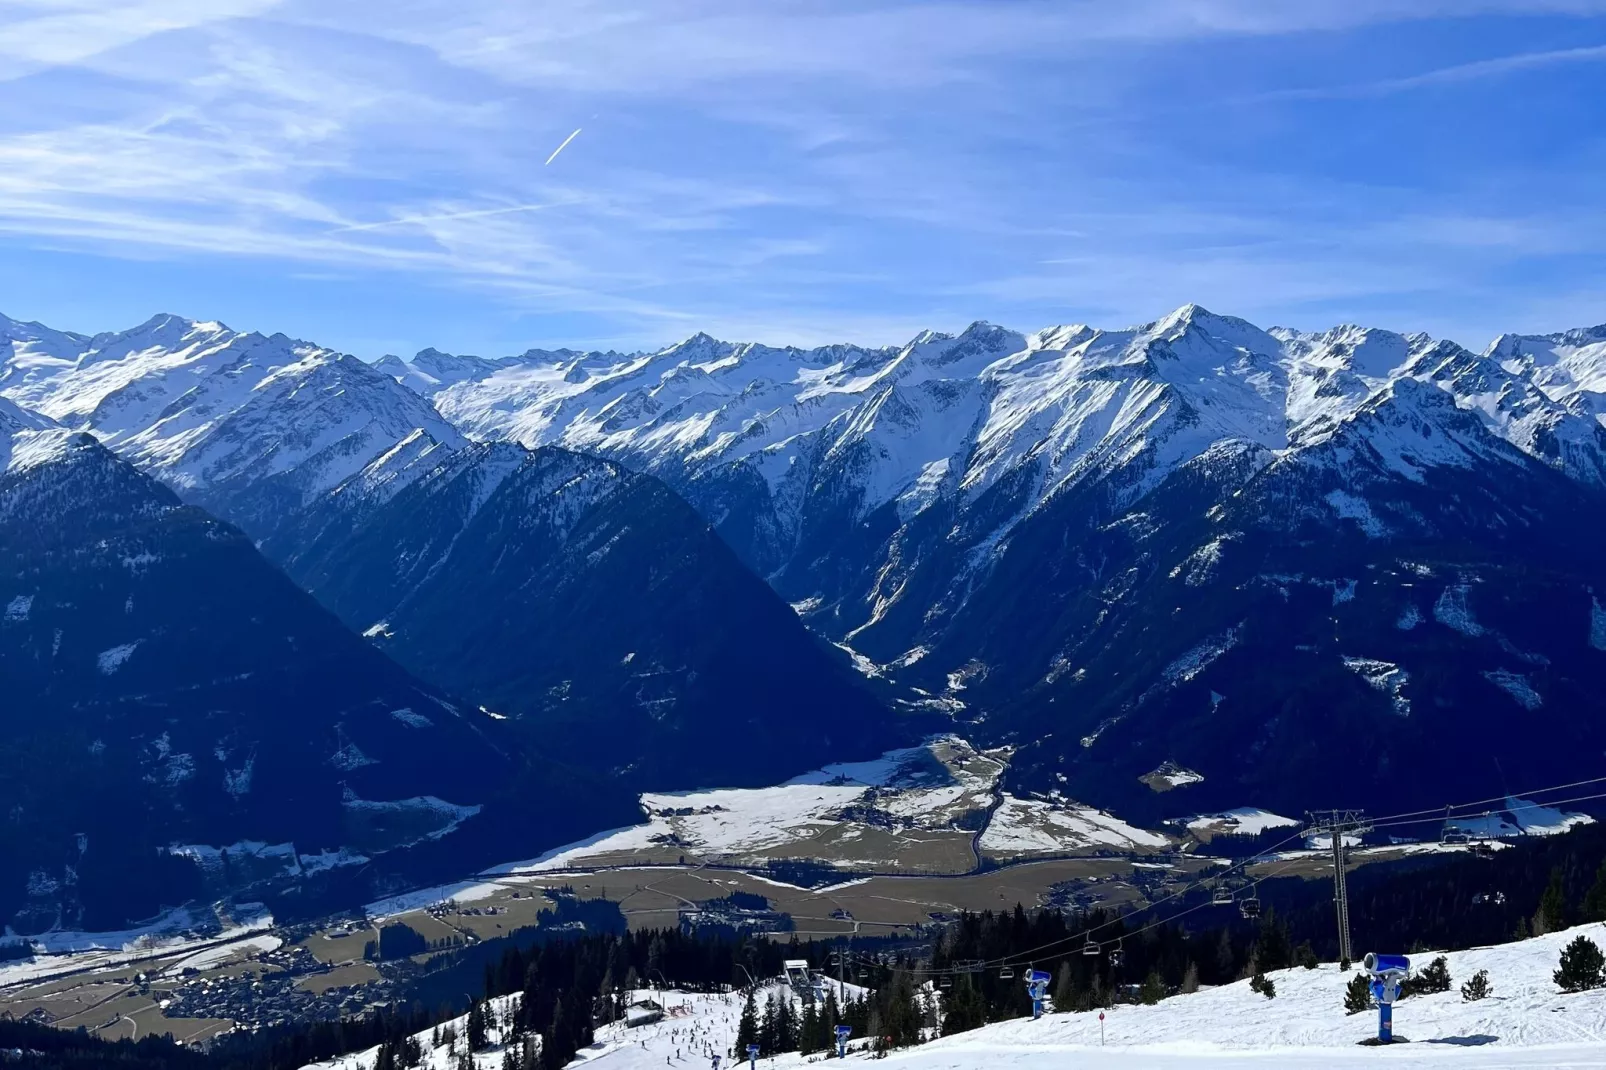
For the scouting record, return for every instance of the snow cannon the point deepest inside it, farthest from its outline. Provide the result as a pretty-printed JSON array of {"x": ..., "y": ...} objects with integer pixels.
[
  {"x": 1387, "y": 972},
  {"x": 843, "y": 1032},
  {"x": 752, "y": 1057},
  {"x": 1037, "y": 987}
]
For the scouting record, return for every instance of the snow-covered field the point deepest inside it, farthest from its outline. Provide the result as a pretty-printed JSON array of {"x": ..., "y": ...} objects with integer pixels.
[
  {"x": 1526, "y": 1023},
  {"x": 173, "y": 932},
  {"x": 1036, "y": 826},
  {"x": 1243, "y": 821},
  {"x": 929, "y": 787}
]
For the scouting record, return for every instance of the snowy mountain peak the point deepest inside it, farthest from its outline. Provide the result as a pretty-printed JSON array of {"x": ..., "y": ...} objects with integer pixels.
[
  {"x": 28, "y": 440},
  {"x": 14, "y": 418},
  {"x": 204, "y": 407},
  {"x": 696, "y": 349}
]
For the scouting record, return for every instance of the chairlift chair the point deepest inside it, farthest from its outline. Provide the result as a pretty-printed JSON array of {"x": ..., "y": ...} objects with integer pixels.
[
  {"x": 1117, "y": 956},
  {"x": 1091, "y": 947},
  {"x": 1222, "y": 897},
  {"x": 1250, "y": 908},
  {"x": 945, "y": 982},
  {"x": 1006, "y": 973}
]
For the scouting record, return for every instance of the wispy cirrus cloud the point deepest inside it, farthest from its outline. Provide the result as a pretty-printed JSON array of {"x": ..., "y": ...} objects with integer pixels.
[
  {"x": 825, "y": 166},
  {"x": 58, "y": 32},
  {"x": 1498, "y": 66}
]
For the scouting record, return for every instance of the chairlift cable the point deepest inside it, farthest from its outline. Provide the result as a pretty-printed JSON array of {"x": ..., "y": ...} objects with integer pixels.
[{"x": 1409, "y": 817}]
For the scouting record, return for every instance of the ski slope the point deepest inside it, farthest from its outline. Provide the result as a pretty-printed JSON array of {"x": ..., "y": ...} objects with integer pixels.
[{"x": 1525, "y": 1023}]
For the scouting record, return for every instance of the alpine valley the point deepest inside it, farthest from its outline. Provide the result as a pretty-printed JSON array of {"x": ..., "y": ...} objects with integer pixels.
[{"x": 386, "y": 621}]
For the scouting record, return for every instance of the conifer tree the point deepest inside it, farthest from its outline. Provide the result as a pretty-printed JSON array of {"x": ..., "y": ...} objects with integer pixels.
[
  {"x": 1583, "y": 967},
  {"x": 1153, "y": 990},
  {"x": 1595, "y": 898},
  {"x": 1477, "y": 988},
  {"x": 766, "y": 1028},
  {"x": 786, "y": 1038},
  {"x": 1064, "y": 988},
  {"x": 809, "y": 1031},
  {"x": 746, "y": 1028},
  {"x": 1552, "y": 914},
  {"x": 1357, "y": 994}
]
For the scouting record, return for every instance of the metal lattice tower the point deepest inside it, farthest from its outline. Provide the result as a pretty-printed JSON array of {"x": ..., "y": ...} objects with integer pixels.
[{"x": 1337, "y": 824}]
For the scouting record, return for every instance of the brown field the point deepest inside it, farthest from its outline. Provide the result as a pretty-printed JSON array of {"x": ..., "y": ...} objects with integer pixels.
[
  {"x": 339, "y": 948},
  {"x": 106, "y": 1000},
  {"x": 352, "y": 973}
]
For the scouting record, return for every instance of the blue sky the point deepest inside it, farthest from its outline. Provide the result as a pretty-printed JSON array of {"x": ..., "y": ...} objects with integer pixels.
[{"x": 372, "y": 176}]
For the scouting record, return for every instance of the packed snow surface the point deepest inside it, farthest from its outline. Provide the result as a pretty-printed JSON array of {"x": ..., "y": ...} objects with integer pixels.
[{"x": 1526, "y": 1023}]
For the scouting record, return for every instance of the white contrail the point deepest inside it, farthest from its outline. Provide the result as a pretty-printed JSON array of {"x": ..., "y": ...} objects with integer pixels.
[{"x": 563, "y": 146}]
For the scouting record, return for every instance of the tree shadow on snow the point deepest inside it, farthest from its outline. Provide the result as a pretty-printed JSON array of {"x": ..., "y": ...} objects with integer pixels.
[{"x": 1473, "y": 1041}]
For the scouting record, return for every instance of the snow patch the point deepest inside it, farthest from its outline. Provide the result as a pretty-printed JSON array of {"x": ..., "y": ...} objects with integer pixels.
[
  {"x": 350, "y": 757},
  {"x": 1243, "y": 821},
  {"x": 411, "y": 719},
  {"x": 1452, "y": 611},
  {"x": 330, "y": 859},
  {"x": 1517, "y": 686},
  {"x": 237, "y": 782},
  {"x": 1347, "y": 506},
  {"x": 1035, "y": 826},
  {"x": 109, "y": 661},
  {"x": 1384, "y": 676},
  {"x": 1197, "y": 659},
  {"x": 1521, "y": 817}
]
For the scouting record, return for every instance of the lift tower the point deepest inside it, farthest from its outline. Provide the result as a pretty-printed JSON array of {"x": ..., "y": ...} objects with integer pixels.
[{"x": 1336, "y": 824}]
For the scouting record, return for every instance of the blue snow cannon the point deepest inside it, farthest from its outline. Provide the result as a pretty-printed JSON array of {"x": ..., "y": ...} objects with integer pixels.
[
  {"x": 842, "y": 1034},
  {"x": 752, "y": 1056},
  {"x": 1387, "y": 972},
  {"x": 1037, "y": 987}
]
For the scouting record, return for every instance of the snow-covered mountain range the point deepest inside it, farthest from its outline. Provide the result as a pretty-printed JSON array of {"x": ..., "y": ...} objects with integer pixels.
[
  {"x": 782, "y": 447},
  {"x": 249, "y": 425},
  {"x": 1192, "y": 541},
  {"x": 1283, "y": 563}
]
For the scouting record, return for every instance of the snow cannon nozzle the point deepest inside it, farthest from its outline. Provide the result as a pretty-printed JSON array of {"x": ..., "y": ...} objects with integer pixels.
[{"x": 1381, "y": 966}]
